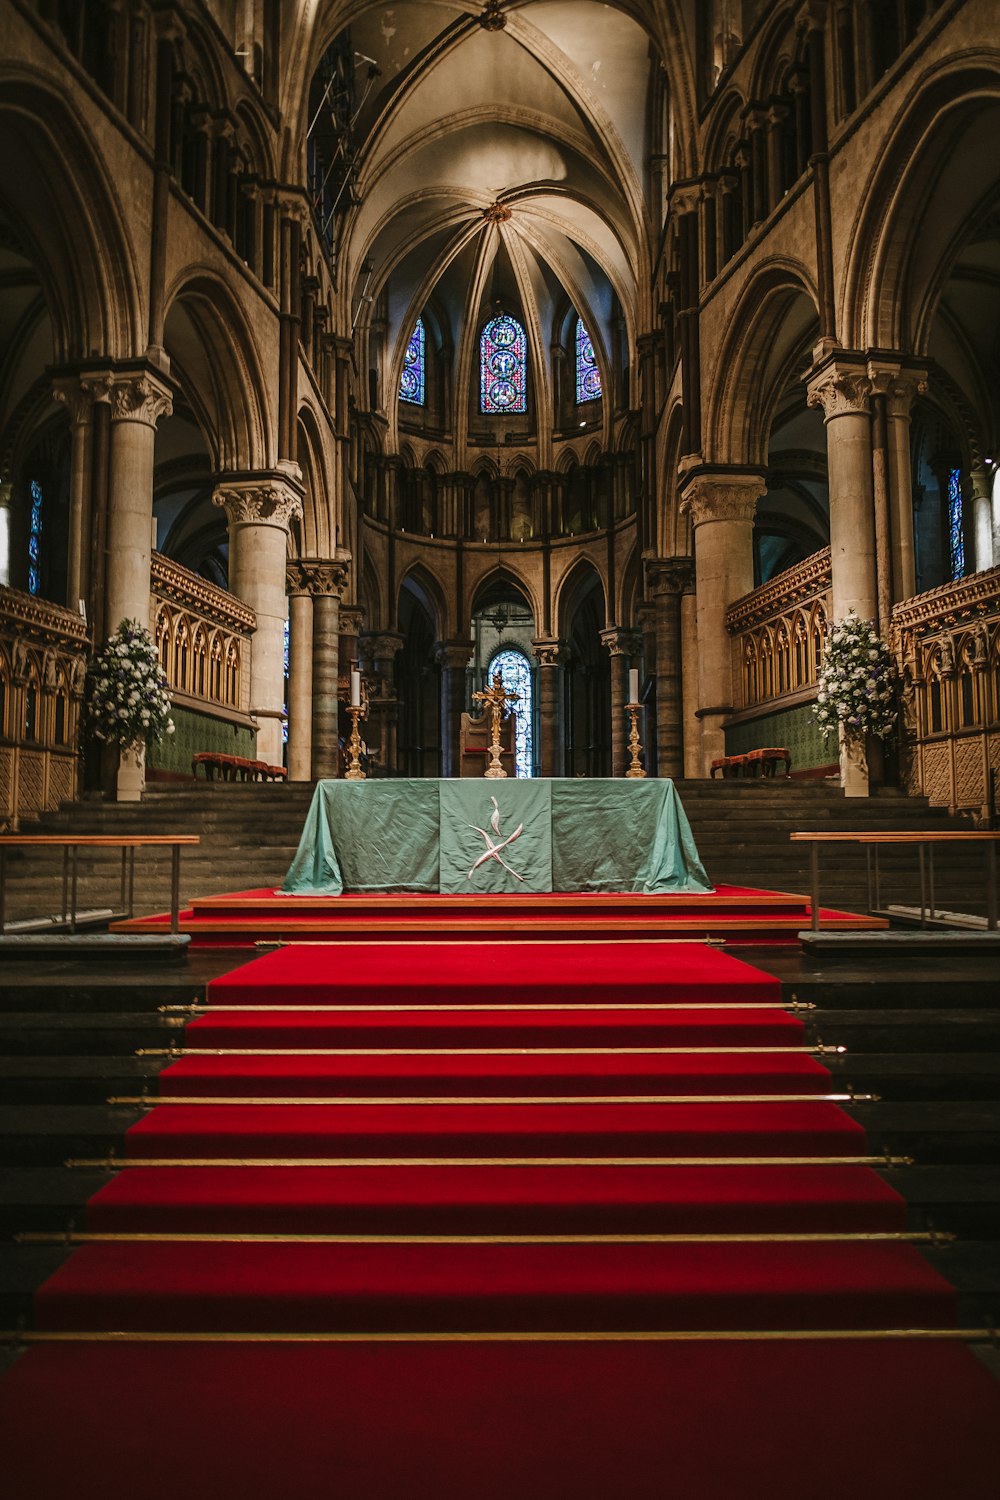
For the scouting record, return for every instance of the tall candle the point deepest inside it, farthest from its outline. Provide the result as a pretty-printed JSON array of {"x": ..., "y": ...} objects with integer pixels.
[
  {"x": 633, "y": 684},
  {"x": 355, "y": 688}
]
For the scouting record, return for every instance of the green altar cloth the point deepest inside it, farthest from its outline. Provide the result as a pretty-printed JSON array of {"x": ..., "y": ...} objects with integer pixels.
[{"x": 451, "y": 836}]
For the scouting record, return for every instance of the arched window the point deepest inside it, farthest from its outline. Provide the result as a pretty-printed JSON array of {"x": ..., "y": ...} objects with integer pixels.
[
  {"x": 956, "y": 533},
  {"x": 588, "y": 376},
  {"x": 412, "y": 385},
  {"x": 515, "y": 674},
  {"x": 35, "y": 539},
  {"x": 503, "y": 366}
]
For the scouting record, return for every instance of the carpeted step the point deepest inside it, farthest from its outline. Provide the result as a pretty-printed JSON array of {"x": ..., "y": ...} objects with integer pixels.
[
  {"x": 541, "y": 1421},
  {"x": 182, "y": 1131},
  {"x": 456, "y": 973},
  {"x": 477, "y": 1287},
  {"x": 430, "y": 1073},
  {"x": 284, "y": 1028},
  {"x": 458, "y": 1199}
]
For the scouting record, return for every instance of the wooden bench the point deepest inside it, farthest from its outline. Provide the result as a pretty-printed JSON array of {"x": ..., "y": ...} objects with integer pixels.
[
  {"x": 754, "y": 763},
  {"x": 872, "y": 842},
  {"x": 71, "y": 843},
  {"x": 235, "y": 767}
]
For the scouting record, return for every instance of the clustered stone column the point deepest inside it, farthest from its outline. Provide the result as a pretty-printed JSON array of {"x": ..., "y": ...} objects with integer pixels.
[
  {"x": 300, "y": 650},
  {"x": 260, "y": 508},
  {"x": 138, "y": 400},
  {"x": 327, "y": 582},
  {"x": 551, "y": 749},
  {"x": 667, "y": 579},
  {"x": 622, "y": 646},
  {"x": 721, "y": 505},
  {"x": 453, "y": 658}
]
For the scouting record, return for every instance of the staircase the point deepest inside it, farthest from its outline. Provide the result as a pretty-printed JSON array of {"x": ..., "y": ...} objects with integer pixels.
[{"x": 250, "y": 832}]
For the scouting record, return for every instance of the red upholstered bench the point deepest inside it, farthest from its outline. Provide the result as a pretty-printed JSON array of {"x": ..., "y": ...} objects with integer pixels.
[
  {"x": 729, "y": 765},
  {"x": 235, "y": 767},
  {"x": 765, "y": 762}
]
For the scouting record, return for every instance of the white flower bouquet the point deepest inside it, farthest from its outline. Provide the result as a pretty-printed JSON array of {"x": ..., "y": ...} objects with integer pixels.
[
  {"x": 856, "y": 682},
  {"x": 128, "y": 702}
]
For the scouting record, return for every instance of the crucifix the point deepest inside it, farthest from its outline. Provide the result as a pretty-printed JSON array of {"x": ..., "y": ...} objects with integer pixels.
[{"x": 496, "y": 698}]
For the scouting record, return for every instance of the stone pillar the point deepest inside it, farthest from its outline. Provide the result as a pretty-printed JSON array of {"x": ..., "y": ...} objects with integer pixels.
[
  {"x": 842, "y": 390},
  {"x": 982, "y": 518},
  {"x": 668, "y": 578},
  {"x": 453, "y": 658},
  {"x": 551, "y": 734},
  {"x": 259, "y": 509},
  {"x": 79, "y": 401},
  {"x": 900, "y": 386},
  {"x": 351, "y": 620},
  {"x": 722, "y": 508},
  {"x": 693, "y": 755},
  {"x": 300, "y": 674},
  {"x": 383, "y": 720},
  {"x": 326, "y": 679},
  {"x": 621, "y": 644},
  {"x": 137, "y": 400}
]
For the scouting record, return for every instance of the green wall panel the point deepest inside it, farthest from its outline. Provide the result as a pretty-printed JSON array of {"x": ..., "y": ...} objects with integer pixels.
[
  {"x": 795, "y": 728},
  {"x": 193, "y": 732}
]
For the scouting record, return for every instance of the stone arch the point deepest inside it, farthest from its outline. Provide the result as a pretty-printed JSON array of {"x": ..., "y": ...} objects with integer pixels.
[
  {"x": 85, "y": 257},
  {"x": 772, "y": 327},
  {"x": 578, "y": 581},
  {"x": 503, "y": 575},
  {"x": 318, "y": 523},
  {"x": 215, "y": 357},
  {"x": 928, "y": 184},
  {"x": 427, "y": 590}
]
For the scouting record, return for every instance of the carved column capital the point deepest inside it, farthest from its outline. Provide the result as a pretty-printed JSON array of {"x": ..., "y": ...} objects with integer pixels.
[
  {"x": 141, "y": 397},
  {"x": 549, "y": 653},
  {"x": 621, "y": 642},
  {"x": 841, "y": 388},
  {"x": 722, "y": 496},
  {"x": 453, "y": 655},
  {"x": 259, "y": 499},
  {"x": 382, "y": 645},
  {"x": 669, "y": 575},
  {"x": 352, "y": 619},
  {"x": 898, "y": 383},
  {"x": 78, "y": 396},
  {"x": 316, "y": 576}
]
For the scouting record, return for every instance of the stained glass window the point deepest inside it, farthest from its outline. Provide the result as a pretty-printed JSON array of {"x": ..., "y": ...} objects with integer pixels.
[
  {"x": 956, "y": 533},
  {"x": 503, "y": 364},
  {"x": 35, "y": 539},
  {"x": 411, "y": 384},
  {"x": 516, "y": 676},
  {"x": 588, "y": 376},
  {"x": 284, "y": 722}
]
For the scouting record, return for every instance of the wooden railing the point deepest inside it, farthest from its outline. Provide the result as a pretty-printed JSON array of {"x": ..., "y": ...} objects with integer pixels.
[
  {"x": 778, "y": 634},
  {"x": 203, "y": 637},
  {"x": 43, "y": 661},
  {"x": 947, "y": 645}
]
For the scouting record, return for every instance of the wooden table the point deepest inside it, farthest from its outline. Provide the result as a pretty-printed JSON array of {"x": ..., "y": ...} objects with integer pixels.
[
  {"x": 71, "y": 843},
  {"x": 925, "y": 842}
]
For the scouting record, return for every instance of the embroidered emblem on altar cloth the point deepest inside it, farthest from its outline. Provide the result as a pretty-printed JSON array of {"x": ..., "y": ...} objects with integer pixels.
[{"x": 494, "y": 850}]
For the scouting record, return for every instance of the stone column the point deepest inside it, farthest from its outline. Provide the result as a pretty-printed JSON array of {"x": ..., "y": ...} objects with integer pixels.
[
  {"x": 300, "y": 674},
  {"x": 326, "y": 680},
  {"x": 552, "y": 739},
  {"x": 621, "y": 644},
  {"x": 453, "y": 658},
  {"x": 668, "y": 578},
  {"x": 900, "y": 386},
  {"x": 137, "y": 400},
  {"x": 259, "y": 509},
  {"x": 383, "y": 723},
  {"x": 842, "y": 389},
  {"x": 982, "y": 518},
  {"x": 79, "y": 401},
  {"x": 722, "y": 508},
  {"x": 693, "y": 755}
]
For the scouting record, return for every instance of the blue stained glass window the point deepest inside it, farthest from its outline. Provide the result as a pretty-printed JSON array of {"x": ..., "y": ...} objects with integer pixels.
[
  {"x": 284, "y": 722},
  {"x": 411, "y": 383},
  {"x": 503, "y": 366},
  {"x": 515, "y": 674},
  {"x": 588, "y": 376},
  {"x": 956, "y": 533},
  {"x": 35, "y": 539}
]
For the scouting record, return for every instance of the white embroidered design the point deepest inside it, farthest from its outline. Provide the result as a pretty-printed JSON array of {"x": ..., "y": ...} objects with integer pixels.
[{"x": 494, "y": 850}]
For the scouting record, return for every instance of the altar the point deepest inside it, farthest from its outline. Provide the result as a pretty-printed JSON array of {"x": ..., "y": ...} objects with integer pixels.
[{"x": 494, "y": 837}]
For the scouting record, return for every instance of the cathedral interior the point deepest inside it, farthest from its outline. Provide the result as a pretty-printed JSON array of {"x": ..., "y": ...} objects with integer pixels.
[{"x": 576, "y": 339}]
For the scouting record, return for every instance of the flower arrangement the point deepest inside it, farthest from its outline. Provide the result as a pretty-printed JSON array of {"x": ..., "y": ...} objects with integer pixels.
[
  {"x": 856, "y": 681},
  {"x": 128, "y": 703}
]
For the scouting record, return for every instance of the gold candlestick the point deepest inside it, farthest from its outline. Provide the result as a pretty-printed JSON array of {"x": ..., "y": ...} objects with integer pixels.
[
  {"x": 356, "y": 746},
  {"x": 634, "y": 743}
]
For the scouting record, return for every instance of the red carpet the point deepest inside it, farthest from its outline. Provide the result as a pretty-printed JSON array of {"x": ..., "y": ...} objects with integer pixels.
[{"x": 418, "y": 1114}]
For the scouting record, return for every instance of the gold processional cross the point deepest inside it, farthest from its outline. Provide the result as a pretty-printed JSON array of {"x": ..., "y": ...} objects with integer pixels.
[{"x": 497, "y": 698}]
